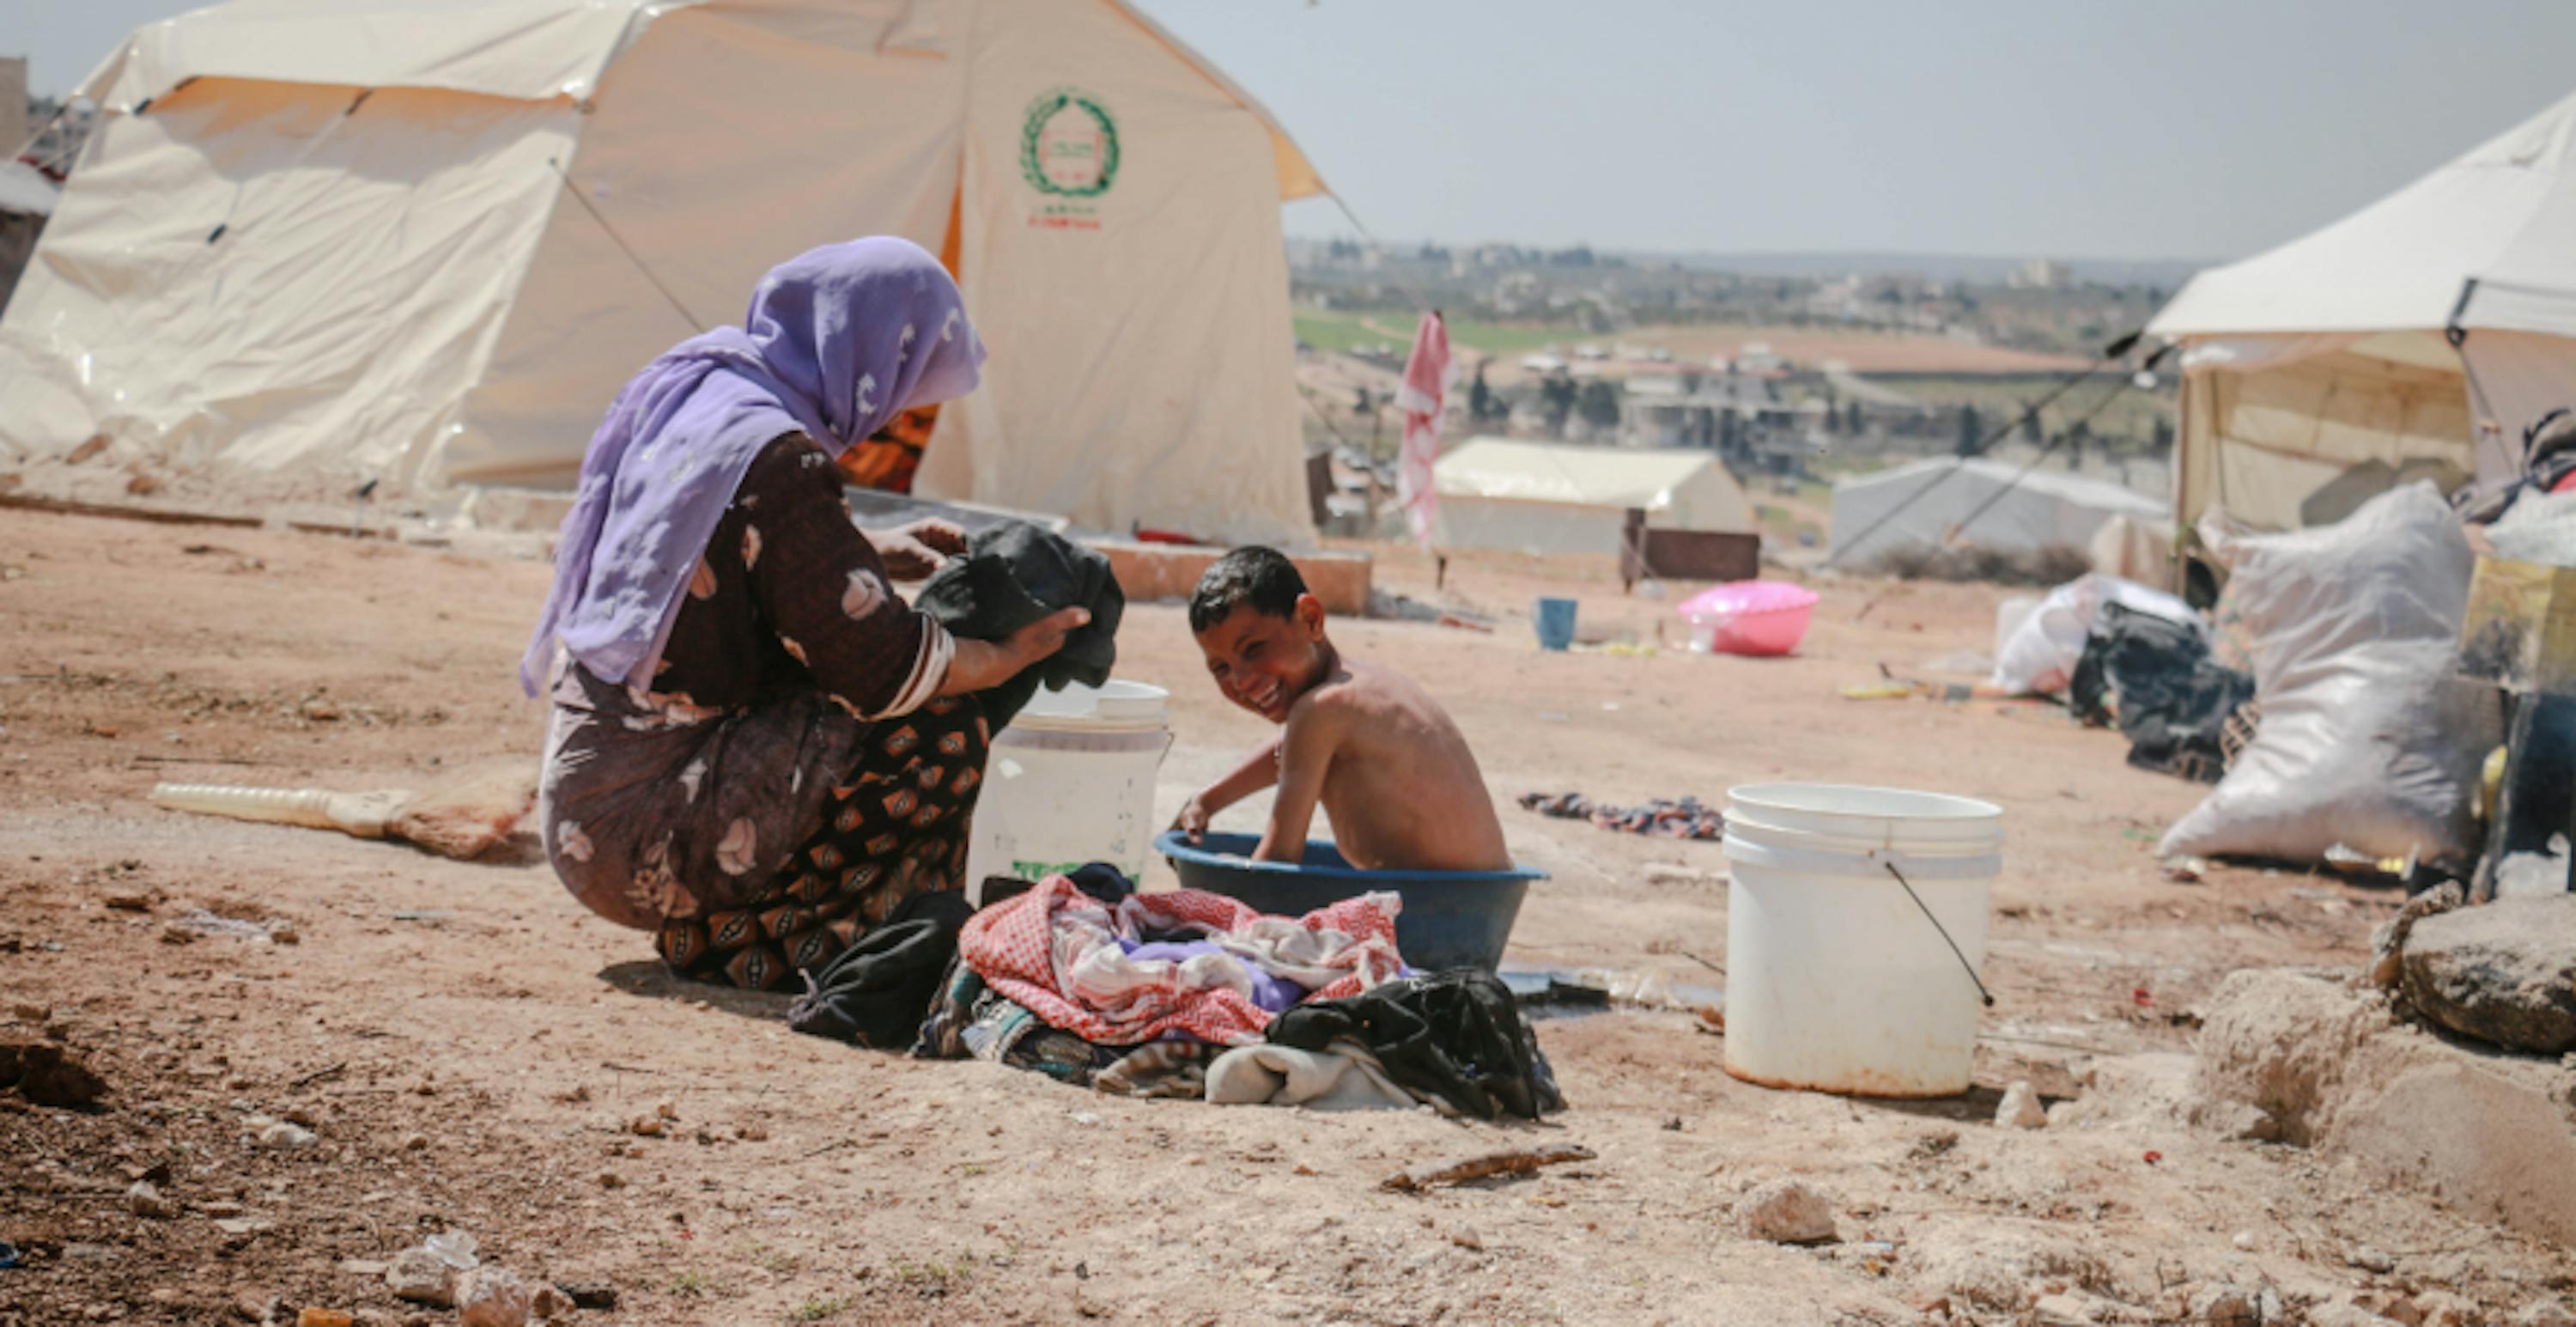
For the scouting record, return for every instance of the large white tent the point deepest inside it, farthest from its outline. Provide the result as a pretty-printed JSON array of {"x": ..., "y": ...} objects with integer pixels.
[
  {"x": 1540, "y": 497},
  {"x": 1922, "y": 504},
  {"x": 2345, "y": 349},
  {"x": 316, "y": 242}
]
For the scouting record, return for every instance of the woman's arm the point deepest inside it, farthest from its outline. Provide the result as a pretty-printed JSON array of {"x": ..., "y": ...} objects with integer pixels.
[
  {"x": 978, "y": 665},
  {"x": 820, "y": 585}
]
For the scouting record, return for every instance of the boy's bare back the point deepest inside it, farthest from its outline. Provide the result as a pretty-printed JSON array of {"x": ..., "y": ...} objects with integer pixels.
[
  {"x": 1395, "y": 774},
  {"x": 1362, "y": 741}
]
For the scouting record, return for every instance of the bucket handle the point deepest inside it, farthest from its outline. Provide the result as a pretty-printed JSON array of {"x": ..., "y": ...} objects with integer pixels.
[{"x": 1964, "y": 964}]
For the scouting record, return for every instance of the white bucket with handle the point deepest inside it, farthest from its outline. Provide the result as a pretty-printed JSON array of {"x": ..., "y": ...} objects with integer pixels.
[
  {"x": 1838, "y": 979},
  {"x": 1071, "y": 782}
]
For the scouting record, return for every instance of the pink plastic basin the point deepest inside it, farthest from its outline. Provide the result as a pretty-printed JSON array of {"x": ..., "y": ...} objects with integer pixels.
[{"x": 1759, "y": 618}]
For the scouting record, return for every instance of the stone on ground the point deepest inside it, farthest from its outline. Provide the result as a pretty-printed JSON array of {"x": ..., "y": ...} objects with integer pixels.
[
  {"x": 1786, "y": 1212},
  {"x": 2020, "y": 1109},
  {"x": 418, "y": 1275},
  {"x": 492, "y": 1297},
  {"x": 2504, "y": 973},
  {"x": 2332, "y": 1069},
  {"x": 2000, "y": 1270}
]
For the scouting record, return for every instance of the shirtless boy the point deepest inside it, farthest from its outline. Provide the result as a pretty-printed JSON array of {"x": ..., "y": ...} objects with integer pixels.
[{"x": 1389, "y": 767}]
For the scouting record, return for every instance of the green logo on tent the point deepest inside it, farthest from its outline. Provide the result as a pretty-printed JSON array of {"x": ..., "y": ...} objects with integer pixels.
[{"x": 1069, "y": 145}]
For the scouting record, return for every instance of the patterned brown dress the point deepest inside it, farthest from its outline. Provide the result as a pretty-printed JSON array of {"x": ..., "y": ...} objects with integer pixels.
[{"x": 787, "y": 779}]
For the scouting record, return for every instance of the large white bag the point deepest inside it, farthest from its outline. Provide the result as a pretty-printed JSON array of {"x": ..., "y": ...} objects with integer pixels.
[
  {"x": 2365, "y": 737},
  {"x": 2041, "y": 653}
]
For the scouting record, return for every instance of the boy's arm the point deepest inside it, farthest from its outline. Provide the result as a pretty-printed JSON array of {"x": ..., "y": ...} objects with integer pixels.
[
  {"x": 1306, "y": 750},
  {"x": 1258, "y": 771}
]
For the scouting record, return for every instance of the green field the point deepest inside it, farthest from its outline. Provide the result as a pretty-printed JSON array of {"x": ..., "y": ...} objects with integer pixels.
[{"x": 1337, "y": 333}]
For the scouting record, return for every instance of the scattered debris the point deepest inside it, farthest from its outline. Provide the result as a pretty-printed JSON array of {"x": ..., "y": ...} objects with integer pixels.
[
  {"x": 455, "y": 1248},
  {"x": 49, "y": 1075},
  {"x": 1512, "y": 1163},
  {"x": 283, "y": 1136},
  {"x": 589, "y": 1295},
  {"x": 195, "y": 922},
  {"x": 145, "y": 1200},
  {"x": 2186, "y": 870},
  {"x": 2020, "y": 1108},
  {"x": 1660, "y": 818},
  {"x": 422, "y": 1277},
  {"x": 1786, "y": 1212},
  {"x": 1465, "y": 1237},
  {"x": 492, "y": 1297},
  {"x": 2226, "y": 1306},
  {"x": 551, "y": 1305},
  {"x": 2388, "y": 939}
]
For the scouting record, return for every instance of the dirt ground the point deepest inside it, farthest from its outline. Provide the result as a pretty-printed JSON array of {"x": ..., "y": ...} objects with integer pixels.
[{"x": 470, "y": 1047}]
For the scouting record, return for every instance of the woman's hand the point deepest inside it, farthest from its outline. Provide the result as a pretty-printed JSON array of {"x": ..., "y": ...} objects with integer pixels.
[
  {"x": 980, "y": 665},
  {"x": 912, "y": 552}
]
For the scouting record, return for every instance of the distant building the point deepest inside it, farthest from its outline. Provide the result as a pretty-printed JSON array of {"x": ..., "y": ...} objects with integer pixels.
[
  {"x": 1753, "y": 359},
  {"x": 1661, "y": 411},
  {"x": 13, "y": 103},
  {"x": 2042, "y": 274}
]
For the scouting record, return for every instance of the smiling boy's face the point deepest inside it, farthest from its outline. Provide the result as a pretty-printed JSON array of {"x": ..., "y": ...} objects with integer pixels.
[{"x": 1264, "y": 663}]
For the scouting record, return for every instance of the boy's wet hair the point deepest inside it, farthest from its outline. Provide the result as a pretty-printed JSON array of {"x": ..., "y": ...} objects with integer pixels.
[{"x": 1261, "y": 577}]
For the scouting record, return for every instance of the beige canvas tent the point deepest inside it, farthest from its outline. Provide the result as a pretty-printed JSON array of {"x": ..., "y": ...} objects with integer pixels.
[
  {"x": 424, "y": 241},
  {"x": 1541, "y": 497},
  {"x": 2416, "y": 337}
]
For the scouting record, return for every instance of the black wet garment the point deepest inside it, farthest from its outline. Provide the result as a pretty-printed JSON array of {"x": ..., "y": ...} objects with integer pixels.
[
  {"x": 877, "y": 991},
  {"x": 1100, "y": 880},
  {"x": 2171, "y": 698},
  {"x": 1453, "y": 1035},
  {"x": 1013, "y": 574}
]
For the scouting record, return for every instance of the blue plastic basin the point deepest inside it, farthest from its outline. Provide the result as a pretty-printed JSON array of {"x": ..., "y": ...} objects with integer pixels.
[{"x": 1451, "y": 919}]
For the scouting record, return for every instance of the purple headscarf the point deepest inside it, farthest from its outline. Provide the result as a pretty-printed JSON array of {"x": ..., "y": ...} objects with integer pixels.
[{"x": 838, "y": 340}]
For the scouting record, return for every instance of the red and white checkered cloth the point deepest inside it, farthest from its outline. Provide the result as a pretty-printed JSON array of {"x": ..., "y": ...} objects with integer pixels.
[
  {"x": 1054, "y": 951},
  {"x": 1424, "y": 391}
]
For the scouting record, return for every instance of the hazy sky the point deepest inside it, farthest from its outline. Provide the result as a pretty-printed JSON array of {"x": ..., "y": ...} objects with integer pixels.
[{"x": 2073, "y": 128}]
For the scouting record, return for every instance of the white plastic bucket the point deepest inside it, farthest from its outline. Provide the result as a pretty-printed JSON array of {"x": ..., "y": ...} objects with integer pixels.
[
  {"x": 1071, "y": 782},
  {"x": 1835, "y": 978}
]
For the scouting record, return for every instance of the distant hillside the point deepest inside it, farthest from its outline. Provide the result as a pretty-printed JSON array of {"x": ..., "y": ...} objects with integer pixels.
[
  {"x": 1933, "y": 266},
  {"x": 2169, "y": 273}
]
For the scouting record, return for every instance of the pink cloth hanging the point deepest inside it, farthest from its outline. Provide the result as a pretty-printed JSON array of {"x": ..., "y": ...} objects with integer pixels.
[{"x": 1426, "y": 387}]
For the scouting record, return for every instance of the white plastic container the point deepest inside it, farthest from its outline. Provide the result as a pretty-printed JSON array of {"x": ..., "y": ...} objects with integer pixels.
[
  {"x": 1835, "y": 978},
  {"x": 2014, "y": 610},
  {"x": 1071, "y": 782}
]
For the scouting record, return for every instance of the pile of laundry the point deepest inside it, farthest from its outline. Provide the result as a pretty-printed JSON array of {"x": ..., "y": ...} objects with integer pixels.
[
  {"x": 1186, "y": 994},
  {"x": 2158, "y": 682},
  {"x": 1684, "y": 819}
]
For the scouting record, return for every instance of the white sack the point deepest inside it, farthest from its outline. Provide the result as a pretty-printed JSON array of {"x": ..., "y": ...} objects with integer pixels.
[
  {"x": 2366, "y": 739},
  {"x": 2041, "y": 653},
  {"x": 2538, "y": 527}
]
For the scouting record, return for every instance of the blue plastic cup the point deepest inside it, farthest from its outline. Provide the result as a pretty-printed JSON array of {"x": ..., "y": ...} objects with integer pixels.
[{"x": 1555, "y": 623}]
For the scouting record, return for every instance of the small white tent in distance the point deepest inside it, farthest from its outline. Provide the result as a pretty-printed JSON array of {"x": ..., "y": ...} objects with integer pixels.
[
  {"x": 2418, "y": 336},
  {"x": 423, "y": 242},
  {"x": 1540, "y": 497},
  {"x": 1922, "y": 504}
]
